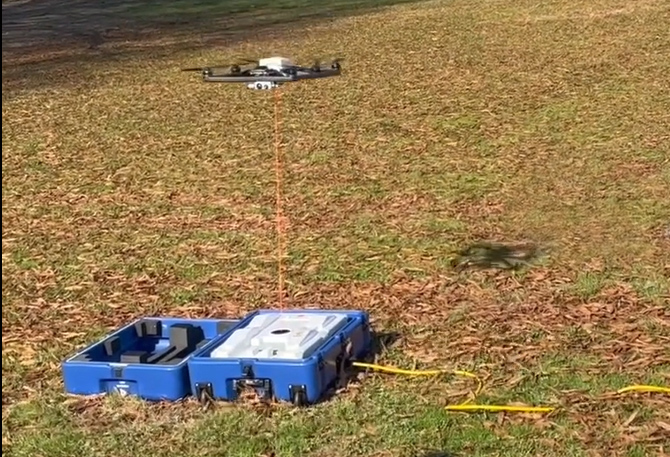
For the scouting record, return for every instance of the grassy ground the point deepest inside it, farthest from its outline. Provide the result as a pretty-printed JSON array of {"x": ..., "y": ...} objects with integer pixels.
[{"x": 131, "y": 189}]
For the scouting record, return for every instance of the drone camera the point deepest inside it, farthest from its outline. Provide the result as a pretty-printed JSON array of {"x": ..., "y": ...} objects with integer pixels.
[{"x": 262, "y": 85}]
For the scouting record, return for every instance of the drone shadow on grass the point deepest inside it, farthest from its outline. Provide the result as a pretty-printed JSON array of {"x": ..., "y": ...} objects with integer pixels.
[
  {"x": 45, "y": 37},
  {"x": 500, "y": 256}
]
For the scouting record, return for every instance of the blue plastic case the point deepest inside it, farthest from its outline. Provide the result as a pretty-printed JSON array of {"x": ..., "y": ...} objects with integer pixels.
[
  {"x": 301, "y": 382},
  {"x": 147, "y": 358}
]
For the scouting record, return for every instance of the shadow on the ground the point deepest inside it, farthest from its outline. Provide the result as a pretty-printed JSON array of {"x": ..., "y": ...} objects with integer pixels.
[
  {"x": 382, "y": 341},
  {"x": 40, "y": 36}
]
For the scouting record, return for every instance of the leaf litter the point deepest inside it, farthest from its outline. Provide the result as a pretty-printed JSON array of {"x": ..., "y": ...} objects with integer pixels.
[{"x": 504, "y": 325}]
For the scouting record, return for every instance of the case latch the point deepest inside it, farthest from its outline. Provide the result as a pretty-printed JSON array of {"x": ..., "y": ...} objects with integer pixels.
[
  {"x": 298, "y": 394},
  {"x": 204, "y": 392}
]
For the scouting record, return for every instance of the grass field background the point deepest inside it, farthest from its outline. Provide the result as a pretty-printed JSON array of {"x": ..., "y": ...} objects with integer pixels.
[{"x": 132, "y": 189}]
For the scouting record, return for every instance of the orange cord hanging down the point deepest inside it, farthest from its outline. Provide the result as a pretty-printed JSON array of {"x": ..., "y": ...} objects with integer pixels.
[{"x": 281, "y": 229}]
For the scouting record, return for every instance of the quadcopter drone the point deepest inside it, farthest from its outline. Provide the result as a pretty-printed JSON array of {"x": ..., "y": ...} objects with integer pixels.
[{"x": 268, "y": 73}]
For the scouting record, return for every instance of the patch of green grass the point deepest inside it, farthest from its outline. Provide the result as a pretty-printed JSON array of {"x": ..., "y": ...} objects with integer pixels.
[
  {"x": 587, "y": 285},
  {"x": 380, "y": 419},
  {"x": 637, "y": 450},
  {"x": 655, "y": 288},
  {"x": 367, "y": 249},
  {"x": 544, "y": 383}
]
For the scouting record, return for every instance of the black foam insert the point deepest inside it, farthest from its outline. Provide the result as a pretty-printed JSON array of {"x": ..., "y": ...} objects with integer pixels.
[
  {"x": 134, "y": 357},
  {"x": 184, "y": 339},
  {"x": 149, "y": 327},
  {"x": 112, "y": 345},
  {"x": 186, "y": 335}
]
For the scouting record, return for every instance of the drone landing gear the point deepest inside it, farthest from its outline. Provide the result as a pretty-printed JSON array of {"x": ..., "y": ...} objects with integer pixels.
[{"x": 263, "y": 85}]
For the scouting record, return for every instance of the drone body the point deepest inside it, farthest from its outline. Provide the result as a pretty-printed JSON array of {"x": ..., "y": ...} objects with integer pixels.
[
  {"x": 269, "y": 73},
  {"x": 276, "y": 63}
]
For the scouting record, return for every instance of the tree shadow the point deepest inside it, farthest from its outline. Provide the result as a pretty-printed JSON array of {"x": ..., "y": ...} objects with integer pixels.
[{"x": 48, "y": 42}]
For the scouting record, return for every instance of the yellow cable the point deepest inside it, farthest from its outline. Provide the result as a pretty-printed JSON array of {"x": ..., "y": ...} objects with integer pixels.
[
  {"x": 394, "y": 370},
  {"x": 465, "y": 406},
  {"x": 643, "y": 388},
  {"x": 400, "y": 371},
  {"x": 497, "y": 408}
]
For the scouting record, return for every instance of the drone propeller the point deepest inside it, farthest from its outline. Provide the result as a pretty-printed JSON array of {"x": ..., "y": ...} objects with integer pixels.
[
  {"x": 234, "y": 67},
  {"x": 334, "y": 62},
  {"x": 320, "y": 60},
  {"x": 246, "y": 61}
]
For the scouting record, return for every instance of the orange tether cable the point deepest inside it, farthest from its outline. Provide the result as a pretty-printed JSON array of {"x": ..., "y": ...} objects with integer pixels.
[{"x": 280, "y": 221}]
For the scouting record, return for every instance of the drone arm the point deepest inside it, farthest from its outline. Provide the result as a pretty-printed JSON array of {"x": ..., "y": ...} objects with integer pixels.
[
  {"x": 245, "y": 79},
  {"x": 325, "y": 73}
]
